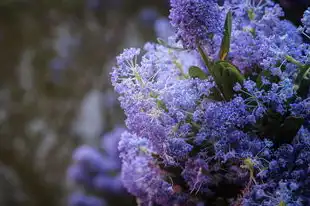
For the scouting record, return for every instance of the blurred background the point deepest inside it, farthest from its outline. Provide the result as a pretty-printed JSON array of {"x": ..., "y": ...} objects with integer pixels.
[{"x": 56, "y": 96}]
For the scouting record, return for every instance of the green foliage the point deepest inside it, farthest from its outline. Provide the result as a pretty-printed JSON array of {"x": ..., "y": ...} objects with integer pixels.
[
  {"x": 165, "y": 44},
  {"x": 204, "y": 57},
  {"x": 249, "y": 165},
  {"x": 282, "y": 203},
  {"x": 225, "y": 46},
  {"x": 226, "y": 76},
  {"x": 281, "y": 129},
  {"x": 161, "y": 105},
  {"x": 196, "y": 72},
  {"x": 290, "y": 127},
  {"x": 302, "y": 81},
  {"x": 251, "y": 14},
  {"x": 161, "y": 42}
]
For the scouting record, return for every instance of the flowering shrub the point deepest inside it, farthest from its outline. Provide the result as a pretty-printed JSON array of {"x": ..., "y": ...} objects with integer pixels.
[{"x": 219, "y": 114}]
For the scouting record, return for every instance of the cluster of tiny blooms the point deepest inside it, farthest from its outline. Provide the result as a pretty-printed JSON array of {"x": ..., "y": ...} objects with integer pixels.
[
  {"x": 95, "y": 171},
  {"x": 219, "y": 114},
  {"x": 306, "y": 21}
]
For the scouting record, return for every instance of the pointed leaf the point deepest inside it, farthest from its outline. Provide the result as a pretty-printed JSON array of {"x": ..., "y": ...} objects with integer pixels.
[
  {"x": 204, "y": 57},
  {"x": 226, "y": 36},
  {"x": 294, "y": 61}
]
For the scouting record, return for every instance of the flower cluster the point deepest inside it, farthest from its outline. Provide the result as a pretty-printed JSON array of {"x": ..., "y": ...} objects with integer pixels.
[
  {"x": 96, "y": 172},
  {"x": 306, "y": 21},
  {"x": 220, "y": 113}
]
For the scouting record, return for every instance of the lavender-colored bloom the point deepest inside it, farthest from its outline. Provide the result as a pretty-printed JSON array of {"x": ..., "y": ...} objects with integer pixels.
[
  {"x": 127, "y": 66},
  {"x": 195, "y": 20},
  {"x": 195, "y": 175},
  {"x": 260, "y": 38},
  {"x": 89, "y": 162},
  {"x": 178, "y": 148},
  {"x": 110, "y": 142},
  {"x": 97, "y": 171},
  {"x": 78, "y": 199},
  {"x": 89, "y": 157},
  {"x": 189, "y": 145},
  {"x": 104, "y": 182},
  {"x": 78, "y": 175}
]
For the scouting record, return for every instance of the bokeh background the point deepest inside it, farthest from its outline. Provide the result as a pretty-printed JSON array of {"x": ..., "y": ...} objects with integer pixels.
[{"x": 55, "y": 91}]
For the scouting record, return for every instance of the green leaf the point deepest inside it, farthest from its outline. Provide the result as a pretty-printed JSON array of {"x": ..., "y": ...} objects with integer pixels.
[
  {"x": 226, "y": 36},
  {"x": 196, "y": 72},
  {"x": 282, "y": 203},
  {"x": 204, "y": 57},
  {"x": 294, "y": 61},
  {"x": 280, "y": 129},
  {"x": 289, "y": 129},
  {"x": 216, "y": 95},
  {"x": 161, "y": 105},
  {"x": 161, "y": 42},
  {"x": 302, "y": 82},
  {"x": 251, "y": 14},
  {"x": 226, "y": 76},
  {"x": 165, "y": 44}
]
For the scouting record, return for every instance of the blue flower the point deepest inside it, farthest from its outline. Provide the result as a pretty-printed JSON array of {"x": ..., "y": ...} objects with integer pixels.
[
  {"x": 186, "y": 144},
  {"x": 195, "y": 20}
]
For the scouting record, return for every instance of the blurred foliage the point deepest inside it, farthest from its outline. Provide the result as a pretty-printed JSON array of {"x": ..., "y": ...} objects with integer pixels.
[{"x": 38, "y": 103}]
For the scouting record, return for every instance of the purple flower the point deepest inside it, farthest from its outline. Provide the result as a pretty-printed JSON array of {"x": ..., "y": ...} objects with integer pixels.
[
  {"x": 110, "y": 141},
  {"x": 195, "y": 20},
  {"x": 78, "y": 199},
  {"x": 186, "y": 144},
  {"x": 97, "y": 171}
]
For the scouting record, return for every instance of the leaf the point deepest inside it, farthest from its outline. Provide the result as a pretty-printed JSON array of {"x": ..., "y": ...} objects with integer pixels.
[
  {"x": 294, "y": 61},
  {"x": 161, "y": 105},
  {"x": 282, "y": 203},
  {"x": 161, "y": 42},
  {"x": 289, "y": 129},
  {"x": 281, "y": 130},
  {"x": 165, "y": 44},
  {"x": 196, "y": 72},
  {"x": 216, "y": 95},
  {"x": 204, "y": 57},
  {"x": 225, "y": 46},
  {"x": 226, "y": 76},
  {"x": 251, "y": 14},
  {"x": 302, "y": 82}
]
